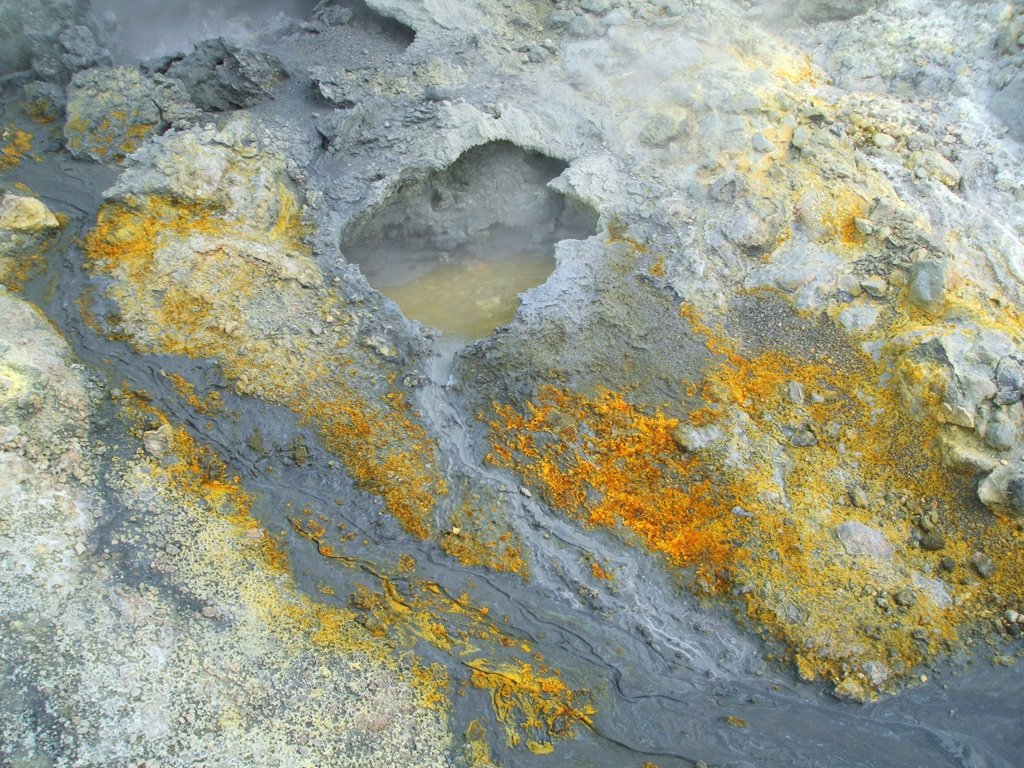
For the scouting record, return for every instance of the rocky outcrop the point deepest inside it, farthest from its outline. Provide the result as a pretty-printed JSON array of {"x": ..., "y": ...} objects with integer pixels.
[
  {"x": 50, "y": 40},
  {"x": 110, "y": 111},
  {"x": 221, "y": 76},
  {"x": 34, "y": 27}
]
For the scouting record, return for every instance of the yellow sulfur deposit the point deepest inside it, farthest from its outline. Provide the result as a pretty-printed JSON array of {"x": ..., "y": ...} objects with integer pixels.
[
  {"x": 14, "y": 143},
  {"x": 235, "y": 272},
  {"x": 823, "y": 441}
]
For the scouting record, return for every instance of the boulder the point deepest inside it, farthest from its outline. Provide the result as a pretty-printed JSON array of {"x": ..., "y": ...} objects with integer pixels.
[
  {"x": 221, "y": 76},
  {"x": 75, "y": 49},
  {"x": 110, "y": 111}
]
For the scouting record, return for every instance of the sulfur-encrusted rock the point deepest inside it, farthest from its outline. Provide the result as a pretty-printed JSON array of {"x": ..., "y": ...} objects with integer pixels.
[
  {"x": 25, "y": 226},
  {"x": 28, "y": 215},
  {"x": 111, "y": 111},
  {"x": 928, "y": 163}
]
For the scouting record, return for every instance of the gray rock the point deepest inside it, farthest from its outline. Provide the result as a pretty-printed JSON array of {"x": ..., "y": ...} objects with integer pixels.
[
  {"x": 933, "y": 541},
  {"x": 961, "y": 451},
  {"x": 728, "y": 188},
  {"x": 850, "y": 689},
  {"x": 560, "y": 19},
  {"x": 883, "y": 141},
  {"x": 930, "y": 163},
  {"x": 753, "y": 227},
  {"x": 859, "y": 496},
  {"x": 850, "y": 284},
  {"x": 928, "y": 286},
  {"x": 1009, "y": 381},
  {"x": 1000, "y": 432},
  {"x": 761, "y": 143},
  {"x": 875, "y": 285},
  {"x": 157, "y": 442},
  {"x": 906, "y": 598},
  {"x": 801, "y": 137},
  {"x": 684, "y": 438},
  {"x": 582, "y": 26},
  {"x": 1008, "y": 105},
  {"x": 860, "y": 539},
  {"x": 878, "y": 672},
  {"x": 30, "y": 28},
  {"x": 933, "y": 588},
  {"x": 221, "y": 76},
  {"x": 804, "y": 438},
  {"x": 660, "y": 131},
  {"x": 538, "y": 54},
  {"x": 74, "y": 50},
  {"x": 81, "y": 51},
  {"x": 983, "y": 564},
  {"x": 1002, "y": 491},
  {"x": 46, "y": 101}
]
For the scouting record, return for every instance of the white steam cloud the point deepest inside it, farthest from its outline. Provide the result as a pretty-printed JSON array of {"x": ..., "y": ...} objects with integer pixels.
[{"x": 156, "y": 27}]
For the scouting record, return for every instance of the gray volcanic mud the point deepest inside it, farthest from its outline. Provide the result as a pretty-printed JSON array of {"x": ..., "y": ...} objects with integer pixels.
[{"x": 484, "y": 383}]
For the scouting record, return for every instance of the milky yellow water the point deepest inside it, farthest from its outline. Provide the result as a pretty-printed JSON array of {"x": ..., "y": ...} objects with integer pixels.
[{"x": 471, "y": 298}]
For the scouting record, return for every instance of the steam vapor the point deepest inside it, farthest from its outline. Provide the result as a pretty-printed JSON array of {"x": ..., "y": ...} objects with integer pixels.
[{"x": 157, "y": 27}]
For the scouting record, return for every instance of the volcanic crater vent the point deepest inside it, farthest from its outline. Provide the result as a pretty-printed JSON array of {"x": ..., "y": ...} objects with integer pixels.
[{"x": 455, "y": 249}]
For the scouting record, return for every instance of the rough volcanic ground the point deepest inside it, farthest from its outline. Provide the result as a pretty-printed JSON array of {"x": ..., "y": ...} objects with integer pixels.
[{"x": 742, "y": 482}]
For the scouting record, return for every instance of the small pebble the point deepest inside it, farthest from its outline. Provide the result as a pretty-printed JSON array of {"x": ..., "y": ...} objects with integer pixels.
[
  {"x": 864, "y": 226},
  {"x": 983, "y": 564},
  {"x": 858, "y": 497},
  {"x": 804, "y": 438},
  {"x": 875, "y": 285},
  {"x": 761, "y": 143},
  {"x": 883, "y": 141}
]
